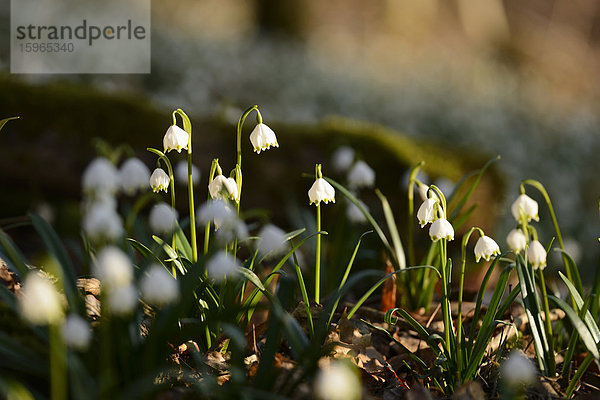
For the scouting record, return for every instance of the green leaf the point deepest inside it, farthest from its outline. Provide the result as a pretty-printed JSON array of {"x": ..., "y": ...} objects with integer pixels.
[
  {"x": 172, "y": 254},
  {"x": 5, "y": 120},
  {"x": 589, "y": 320},
  {"x": 182, "y": 244},
  {"x": 467, "y": 195},
  {"x": 391, "y": 223},
  {"x": 421, "y": 331},
  {"x": 13, "y": 257}
]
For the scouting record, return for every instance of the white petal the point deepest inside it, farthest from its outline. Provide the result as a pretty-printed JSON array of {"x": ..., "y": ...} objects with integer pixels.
[{"x": 321, "y": 190}]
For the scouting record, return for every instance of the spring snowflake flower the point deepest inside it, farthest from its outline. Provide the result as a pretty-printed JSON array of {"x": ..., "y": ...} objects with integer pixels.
[
  {"x": 273, "y": 241},
  {"x": 361, "y": 175},
  {"x": 76, "y": 332},
  {"x": 133, "y": 175},
  {"x": 113, "y": 268},
  {"x": 222, "y": 187},
  {"x": 526, "y": 205},
  {"x": 159, "y": 180},
  {"x": 100, "y": 176},
  {"x": 536, "y": 254},
  {"x": 262, "y": 138},
  {"x": 337, "y": 381},
  {"x": 158, "y": 286},
  {"x": 321, "y": 190},
  {"x": 423, "y": 189},
  {"x": 343, "y": 158},
  {"x": 40, "y": 302},
  {"x": 441, "y": 229},
  {"x": 517, "y": 370},
  {"x": 163, "y": 218},
  {"x": 217, "y": 212},
  {"x": 122, "y": 300},
  {"x": 427, "y": 213},
  {"x": 102, "y": 222},
  {"x": 181, "y": 174},
  {"x": 175, "y": 139},
  {"x": 355, "y": 214},
  {"x": 516, "y": 240},
  {"x": 222, "y": 265},
  {"x": 485, "y": 248}
]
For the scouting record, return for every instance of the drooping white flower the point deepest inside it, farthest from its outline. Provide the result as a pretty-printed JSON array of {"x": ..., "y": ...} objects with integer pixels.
[
  {"x": 217, "y": 212},
  {"x": 536, "y": 254},
  {"x": 273, "y": 241},
  {"x": 222, "y": 187},
  {"x": 441, "y": 229},
  {"x": 222, "y": 265},
  {"x": 355, "y": 214},
  {"x": 133, "y": 175},
  {"x": 517, "y": 370},
  {"x": 181, "y": 174},
  {"x": 122, "y": 300},
  {"x": 361, "y": 175},
  {"x": 163, "y": 218},
  {"x": 516, "y": 240},
  {"x": 102, "y": 222},
  {"x": 321, "y": 190},
  {"x": 343, "y": 158},
  {"x": 76, "y": 332},
  {"x": 337, "y": 381},
  {"x": 485, "y": 248},
  {"x": 427, "y": 213},
  {"x": 159, "y": 180},
  {"x": 40, "y": 303},
  {"x": 113, "y": 268},
  {"x": 262, "y": 138},
  {"x": 158, "y": 286},
  {"x": 423, "y": 189},
  {"x": 526, "y": 205},
  {"x": 175, "y": 139},
  {"x": 100, "y": 176}
]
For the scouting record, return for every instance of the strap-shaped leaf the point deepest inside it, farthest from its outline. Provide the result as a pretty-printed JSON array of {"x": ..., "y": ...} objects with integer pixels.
[
  {"x": 589, "y": 320},
  {"x": 5, "y": 120}
]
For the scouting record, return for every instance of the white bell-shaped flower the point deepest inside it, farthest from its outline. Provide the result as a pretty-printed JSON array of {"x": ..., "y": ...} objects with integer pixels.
[
  {"x": 158, "y": 286},
  {"x": 76, "y": 332},
  {"x": 113, "y": 268},
  {"x": 485, "y": 248},
  {"x": 175, "y": 139},
  {"x": 427, "y": 213},
  {"x": 516, "y": 240},
  {"x": 441, "y": 229},
  {"x": 222, "y": 265},
  {"x": 217, "y": 212},
  {"x": 273, "y": 241},
  {"x": 122, "y": 300},
  {"x": 262, "y": 138},
  {"x": 321, "y": 190},
  {"x": 40, "y": 302},
  {"x": 163, "y": 218},
  {"x": 361, "y": 175},
  {"x": 133, "y": 175},
  {"x": 517, "y": 371},
  {"x": 536, "y": 254},
  {"x": 102, "y": 223},
  {"x": 343, "y": 158},
  {"x": 222, "y": 187},
  {"x": 338, "y": 381},
  {"x": 526, "y": 205},
  {"x": 181, "y": 174},
  {"x": 423, "y": 189},
  {"x": 100, "y": 176},
  {"x": 159, "y": 180}
]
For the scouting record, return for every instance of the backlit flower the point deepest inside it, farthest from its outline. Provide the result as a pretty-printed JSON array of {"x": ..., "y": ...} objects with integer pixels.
[
  {"x": 273, "y": 241},
  {"x": 76, "y": 332},
  {"x": 338, "y": 381},
  {"x": 40, "y": 303},
  {"x": 102, "y": 222},
  {"x": 262, "y": 138},
  {"x": 113, "y": 268},
  {"x": 441, "y": 229},
  {"x": 222, "y": 187},
  {"x": 361, "y": 175},
  {"x": 536, "y": 254},
  {"x": 133, "y": 175},
  {"x": 158, "y": 286},
  {"x": 321, "y": 190},
  {"x": 427, "y": 212},
  {"x": 163, "y": 218},
  {"x": 217, "y": 212},
  {"x": 122, "y": 300},
  {"x": 516, "y": 240},
  {"x": 485, "y": 248},
  {"x": 159, "y": 180},
  {"x": 526, "y": 205},
  {"x": 222, "y": 265},
  {"x": 175, "y": 139},
  {"x": 181, "y": 174},
  {"x": 100, "y": 176}
]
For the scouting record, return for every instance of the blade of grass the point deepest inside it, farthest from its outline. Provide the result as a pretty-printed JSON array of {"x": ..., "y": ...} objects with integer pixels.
[{"x": 467, "y": 195}]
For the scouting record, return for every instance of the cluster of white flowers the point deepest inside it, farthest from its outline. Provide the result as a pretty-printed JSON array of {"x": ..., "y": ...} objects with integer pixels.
[
  {"x": 431, "y": 212},
  {"x": 221, "y": 266},
  {"x": 223, "y": 188},
  {"x": 114, "y": 270},
  {"x": 524, "y": 209},
  {"x": 227, "y": 224}
]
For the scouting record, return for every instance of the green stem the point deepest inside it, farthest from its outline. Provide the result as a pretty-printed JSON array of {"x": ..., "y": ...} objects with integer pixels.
[
  {"x": 460, "y": 294},
  {"x": 318, "y": 256},
  {"x": 239, "y": 132},
  {"x": 135, "y": 210},
  {"x": 58, "y": 365},
  {"x": 548, "y": 324},
  {"x": 411, "y": 208},
  {"x": 213, "y": 168},
  {"x": 445, "y": 296}
]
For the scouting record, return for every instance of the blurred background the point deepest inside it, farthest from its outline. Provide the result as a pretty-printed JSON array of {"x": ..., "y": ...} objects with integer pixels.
[{"x": 472, "y": 79}]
